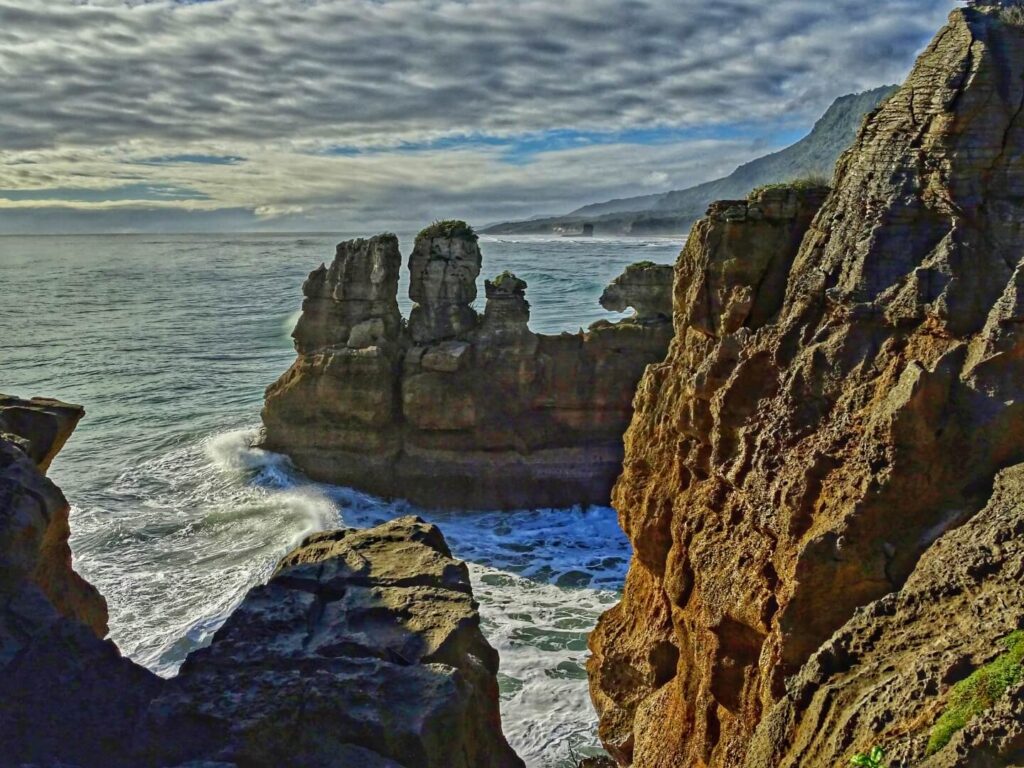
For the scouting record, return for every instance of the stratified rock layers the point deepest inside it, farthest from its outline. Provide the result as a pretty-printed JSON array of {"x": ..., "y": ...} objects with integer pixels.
[
  {"x": 363, "y": 649},
  {"x": 796, "y": 454},
  {"x": 458, "y": 409},
  {"x": 884, "y": 677}
]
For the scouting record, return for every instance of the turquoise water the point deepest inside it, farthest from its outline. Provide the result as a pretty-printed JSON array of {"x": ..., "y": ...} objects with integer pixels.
[{"x": 169, "y": 342}]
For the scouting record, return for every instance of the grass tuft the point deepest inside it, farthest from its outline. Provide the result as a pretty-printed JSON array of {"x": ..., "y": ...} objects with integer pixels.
[{"x": 977, "y": 693}]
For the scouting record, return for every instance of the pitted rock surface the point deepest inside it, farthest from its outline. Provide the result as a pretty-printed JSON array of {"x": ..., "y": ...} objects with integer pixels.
[{"x": 809, "y": 438}]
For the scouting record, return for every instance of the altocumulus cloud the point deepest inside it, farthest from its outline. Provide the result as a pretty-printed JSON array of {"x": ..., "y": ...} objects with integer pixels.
[{"x": 364, "y": 112}]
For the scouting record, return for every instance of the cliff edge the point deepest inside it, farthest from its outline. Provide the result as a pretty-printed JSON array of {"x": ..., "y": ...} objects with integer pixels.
[{"x": 805, "y": 444}]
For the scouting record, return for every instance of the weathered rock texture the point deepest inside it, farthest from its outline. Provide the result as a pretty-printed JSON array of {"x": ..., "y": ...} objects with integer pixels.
[
  {"x": 65, "y": 693},
  {"x": 646, "y": 287},
  {"x": 883, "y": 678},
  {"x": 363, "y": 649},
  {"x": 797, "y": 453},
  {"x": 460, "y": 410}
]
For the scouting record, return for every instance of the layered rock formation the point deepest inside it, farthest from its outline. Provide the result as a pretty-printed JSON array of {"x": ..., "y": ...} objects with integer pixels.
[
  {"x": 363, "y": 649},
  {"x": 829, "y": 407},
  {"x": 457, "y": 409},
  {"x": 66, "y": 695},
  {"x": 884, "y": 678}
]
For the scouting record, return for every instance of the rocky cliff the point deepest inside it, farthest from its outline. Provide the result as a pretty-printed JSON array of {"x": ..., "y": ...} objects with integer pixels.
[
  {"x": 364, "y": 648},
  {"x": 839, "y": 393},
  {"x": 456, "y": 408}
]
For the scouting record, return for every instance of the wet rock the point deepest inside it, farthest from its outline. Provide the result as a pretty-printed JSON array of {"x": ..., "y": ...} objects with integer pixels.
[{"x": 814, "y": 431}]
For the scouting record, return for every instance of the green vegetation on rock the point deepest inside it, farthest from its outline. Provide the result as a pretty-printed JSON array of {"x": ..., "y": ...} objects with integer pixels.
[
  {"x": 801, "y": 184},
  {"x": 1013, "y": 15},
  {"x": 450, "y": 228},
  {"x": 872, "y": 759},
  {"x": 977, "y": 693}
]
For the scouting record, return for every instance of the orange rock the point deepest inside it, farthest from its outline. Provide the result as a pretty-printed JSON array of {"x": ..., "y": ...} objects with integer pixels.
[{"x": 782, "y": 471}]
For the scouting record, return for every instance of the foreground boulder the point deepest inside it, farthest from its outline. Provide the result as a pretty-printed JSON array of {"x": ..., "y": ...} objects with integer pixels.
[
  {"x": 805, "y": 444},
  {"x": 459, "y": 409},
  {"x": 363, "y": 649}
]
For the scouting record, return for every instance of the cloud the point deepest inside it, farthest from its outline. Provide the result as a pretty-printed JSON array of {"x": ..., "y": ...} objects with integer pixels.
[{"x": 348, "y": 106}]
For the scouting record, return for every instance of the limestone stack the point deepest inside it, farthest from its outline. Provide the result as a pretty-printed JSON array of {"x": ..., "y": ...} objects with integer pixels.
[
  {"x": 826, "y": 412},
  {"x": 457, "y": 409}
]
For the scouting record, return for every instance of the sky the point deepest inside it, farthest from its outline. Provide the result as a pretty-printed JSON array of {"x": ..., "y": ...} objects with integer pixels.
[{"x": 345, "y": 115}]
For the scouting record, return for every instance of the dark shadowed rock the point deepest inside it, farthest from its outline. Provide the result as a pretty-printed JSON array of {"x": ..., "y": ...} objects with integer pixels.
[
  {"x": 363, "y": 649},
  {"x": 65, "y": 693}
]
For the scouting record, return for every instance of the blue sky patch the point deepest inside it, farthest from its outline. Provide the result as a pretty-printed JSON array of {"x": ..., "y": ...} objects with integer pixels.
[
  {"x": 155, "y": 192},
  {"x": 194, "y": 159},
  {"x": 524, "y": 148}
]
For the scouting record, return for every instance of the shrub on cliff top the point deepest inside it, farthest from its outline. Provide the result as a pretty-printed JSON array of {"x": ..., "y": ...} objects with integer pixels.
[
  {"x": 977, "y": 693},
  {"x": 804, "y": 183},
  {"x": 450, "y": 228}
]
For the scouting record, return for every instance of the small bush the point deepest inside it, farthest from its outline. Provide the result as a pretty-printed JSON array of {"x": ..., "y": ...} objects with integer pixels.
[
  {"x": 450, "y": 229},
  {"x": 872, "y": 759},
  {"x": 977, "y": 693}
]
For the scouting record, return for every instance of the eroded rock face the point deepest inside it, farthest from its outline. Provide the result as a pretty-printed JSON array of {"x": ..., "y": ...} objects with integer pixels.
[
  {"x": 66, "y": 695},
  {"x": 481, "y": 414},
  {"x": 885, "y": 676},
  {"x": 363, "y": 649},
  {"x": 646, "y": 287},
  {"x": 443, "y": 269},
  {"x": 353, "y": 303},
  {"x": 34, "y": 530},
  {"x": 780, "y": 473}
]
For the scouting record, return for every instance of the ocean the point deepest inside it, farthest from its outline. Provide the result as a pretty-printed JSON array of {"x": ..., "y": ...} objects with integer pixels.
[{"x": 169, "y": 343}]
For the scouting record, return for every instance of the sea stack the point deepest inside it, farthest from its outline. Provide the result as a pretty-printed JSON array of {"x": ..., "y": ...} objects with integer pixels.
[
  {"x": 456, "y": 409},
  {"x": 841, "y": 395}
]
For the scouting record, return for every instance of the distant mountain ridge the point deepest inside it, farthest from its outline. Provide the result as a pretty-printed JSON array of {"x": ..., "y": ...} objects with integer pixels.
[{"x": 673, "y": 212}]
